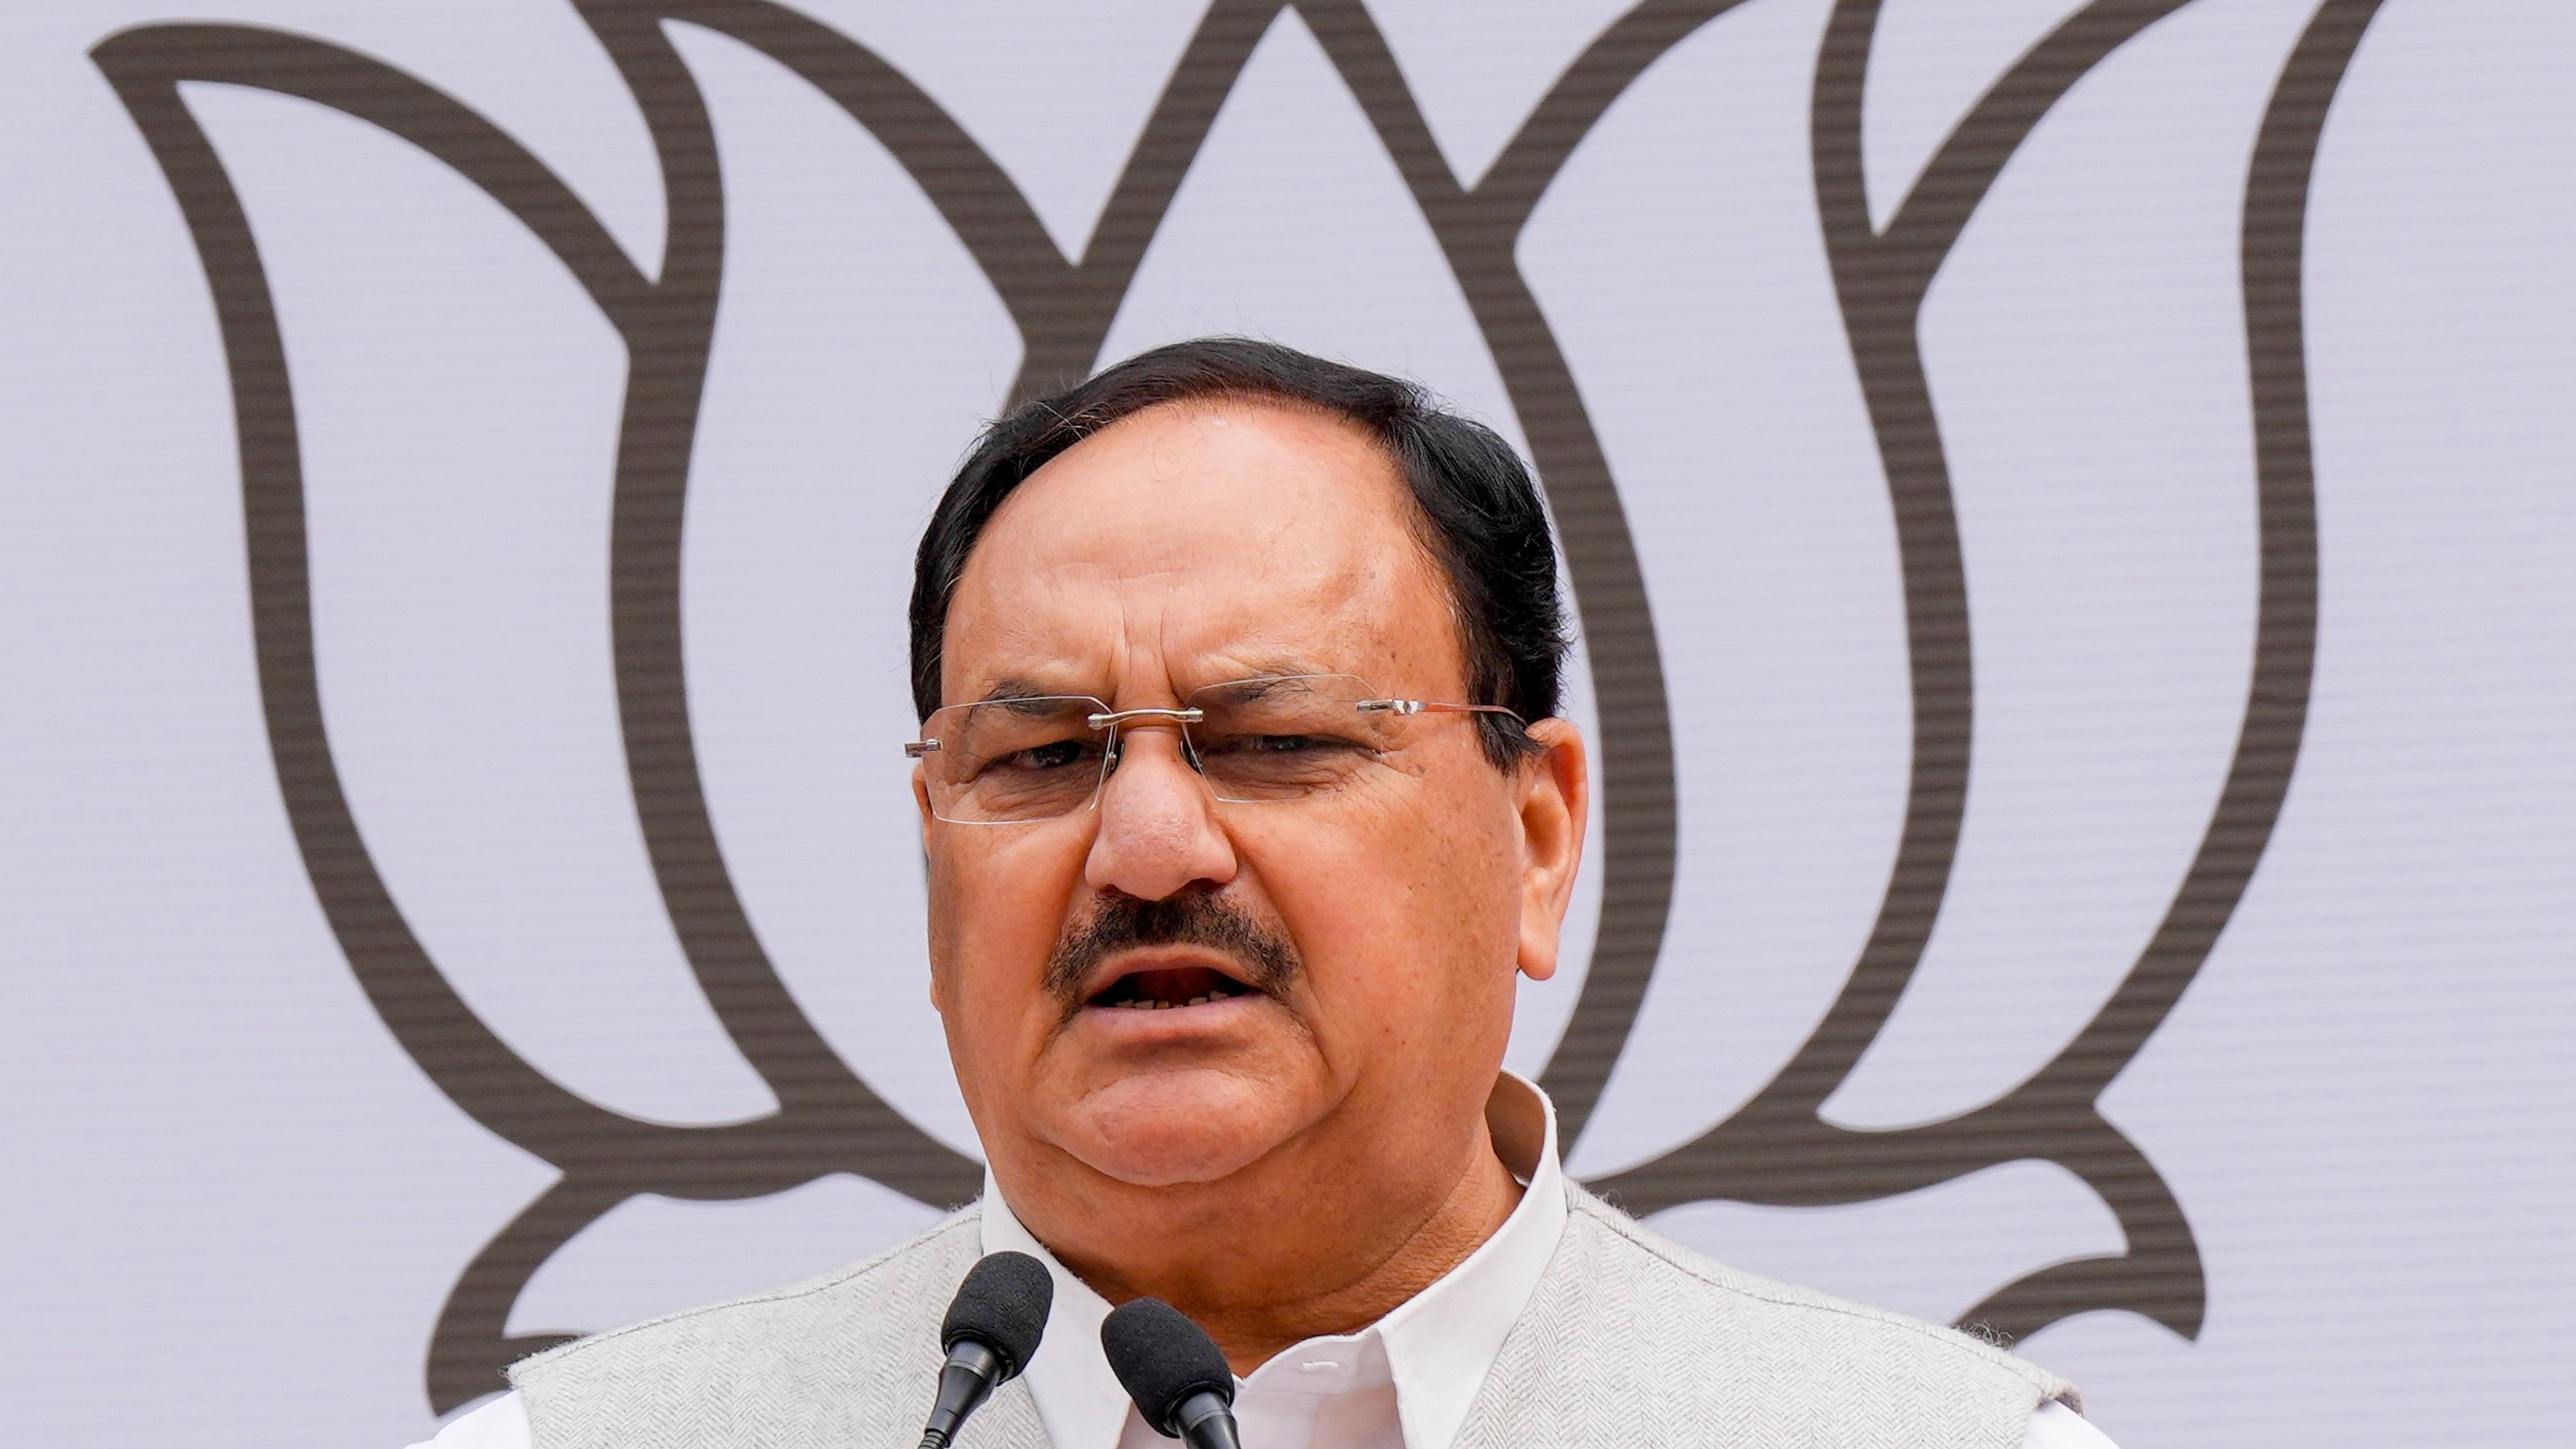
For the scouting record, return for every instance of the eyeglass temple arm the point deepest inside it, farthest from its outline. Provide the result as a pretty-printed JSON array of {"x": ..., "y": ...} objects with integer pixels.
[{"x": 1430, "y": 706}]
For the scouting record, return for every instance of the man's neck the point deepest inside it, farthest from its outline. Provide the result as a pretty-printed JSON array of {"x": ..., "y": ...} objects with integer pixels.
[{"x": 1260, "y": 1269}]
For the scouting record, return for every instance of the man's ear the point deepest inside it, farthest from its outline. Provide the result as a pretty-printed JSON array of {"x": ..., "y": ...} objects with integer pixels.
[{"x": 1555, "y": 806}]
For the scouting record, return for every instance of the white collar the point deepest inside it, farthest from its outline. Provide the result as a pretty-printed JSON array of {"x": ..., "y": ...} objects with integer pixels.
[{"x": 1435, "y": 1347}]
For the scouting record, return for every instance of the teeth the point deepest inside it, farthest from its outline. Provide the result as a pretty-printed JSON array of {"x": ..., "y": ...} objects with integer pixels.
[{"x": 1140, "y": 1003}]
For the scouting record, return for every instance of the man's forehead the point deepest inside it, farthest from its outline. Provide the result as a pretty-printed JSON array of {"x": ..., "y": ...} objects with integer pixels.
[
  {"x": 1224, "y": 542},
  {"x": 1041, "y": 678},
  {"x": 1024, "y": 662},
  {"x": 1219, "y": 466}
]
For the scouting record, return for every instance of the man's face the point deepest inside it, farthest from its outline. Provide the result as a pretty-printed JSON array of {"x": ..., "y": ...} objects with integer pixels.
[{"x": 1380, "y": 922}]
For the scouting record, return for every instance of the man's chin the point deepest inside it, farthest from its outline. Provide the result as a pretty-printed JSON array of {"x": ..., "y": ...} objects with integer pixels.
[{"x": 1173, "y": 1128}]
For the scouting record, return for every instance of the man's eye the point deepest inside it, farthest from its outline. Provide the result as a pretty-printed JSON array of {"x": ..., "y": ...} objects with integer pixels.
[
  {"x": 1282, "y": 746},
  {"x": 1295, "y": 744},
  {"x": 1054, "y": 755}
]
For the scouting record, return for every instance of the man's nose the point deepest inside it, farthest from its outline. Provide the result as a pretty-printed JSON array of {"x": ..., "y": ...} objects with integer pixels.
[{"x": 1158, "y": 831}]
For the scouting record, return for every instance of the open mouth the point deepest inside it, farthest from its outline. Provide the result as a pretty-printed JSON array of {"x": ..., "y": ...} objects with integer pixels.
[{"x": 1167, "y": 987}]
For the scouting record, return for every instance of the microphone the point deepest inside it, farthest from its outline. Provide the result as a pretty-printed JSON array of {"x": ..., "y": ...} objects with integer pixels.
[
  {"x": 1174, "y": 1372},
  {"x": 992, "y": 1328}
]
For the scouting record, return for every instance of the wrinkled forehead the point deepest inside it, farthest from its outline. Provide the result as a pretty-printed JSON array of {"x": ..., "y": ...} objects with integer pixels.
[{"x": 1194, "y": 543}]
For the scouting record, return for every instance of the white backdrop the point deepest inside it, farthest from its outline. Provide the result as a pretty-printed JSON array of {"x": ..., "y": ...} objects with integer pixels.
[{"x": 235, "y": 1203}]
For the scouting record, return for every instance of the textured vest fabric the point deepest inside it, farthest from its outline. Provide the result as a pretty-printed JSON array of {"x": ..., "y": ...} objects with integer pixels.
[
  {"x": 849, "y": 1360},
  {"x": 1631, "y": 1339},
  {"x": 1628, "y": 1340}
]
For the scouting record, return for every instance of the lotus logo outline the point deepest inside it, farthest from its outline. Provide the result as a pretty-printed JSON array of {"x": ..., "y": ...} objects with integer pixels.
[{"x": 1777, "y": 1148}]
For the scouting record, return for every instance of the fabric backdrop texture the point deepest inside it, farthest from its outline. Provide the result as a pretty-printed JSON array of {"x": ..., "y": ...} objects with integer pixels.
[{"x": 2069, "y": 504}]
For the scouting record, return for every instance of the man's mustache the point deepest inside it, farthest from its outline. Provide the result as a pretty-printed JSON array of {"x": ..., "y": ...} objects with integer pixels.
[{"x": 1267, "y": 962}]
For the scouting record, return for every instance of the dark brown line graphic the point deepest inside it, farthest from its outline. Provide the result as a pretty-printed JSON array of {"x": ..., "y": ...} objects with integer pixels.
[
  {"x": 1775, "y": 1150},
  {"x": 1478, "y": 231},
  {"x": 1778, "y": 1149},
  {"x": 828, "y": 1120}
]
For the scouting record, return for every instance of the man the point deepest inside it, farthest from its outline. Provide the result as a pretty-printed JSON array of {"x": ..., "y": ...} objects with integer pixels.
[{"x": 1244, "y": 799}]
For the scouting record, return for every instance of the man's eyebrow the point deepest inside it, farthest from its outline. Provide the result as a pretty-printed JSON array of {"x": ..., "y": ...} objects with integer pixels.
[
  {"x": 1276, "y": 667},
  {"x": 1015, "y": 687},
  {"x": 1011, "y": 687}
]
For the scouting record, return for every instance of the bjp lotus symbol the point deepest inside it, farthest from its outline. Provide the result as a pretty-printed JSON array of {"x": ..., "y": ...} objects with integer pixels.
[{"x": 1777, "y": 1148}]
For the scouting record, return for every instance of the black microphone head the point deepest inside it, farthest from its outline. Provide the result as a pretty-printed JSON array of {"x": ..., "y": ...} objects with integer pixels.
[
  {"x": 1003, "y": 1306},
  {"x": 1163, "y": 1359}
]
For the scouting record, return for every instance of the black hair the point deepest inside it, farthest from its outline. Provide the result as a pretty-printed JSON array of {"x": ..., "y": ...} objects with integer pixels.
[{"x": 1478, "y": 509}]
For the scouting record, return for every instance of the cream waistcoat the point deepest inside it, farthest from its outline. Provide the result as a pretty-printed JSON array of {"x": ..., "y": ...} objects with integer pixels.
[{"x": 1627, "y": 1339}]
